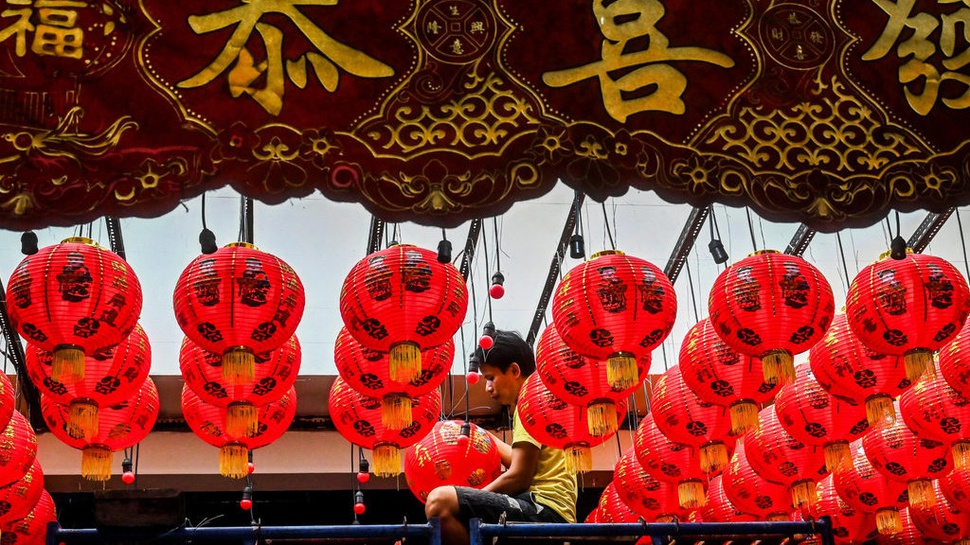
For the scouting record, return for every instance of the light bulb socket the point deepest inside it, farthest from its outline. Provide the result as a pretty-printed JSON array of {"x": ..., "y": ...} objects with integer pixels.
[
  {"x": 363, "y": 466},
  {"x": 359, "y": 496},
  {"x": 488, "y": 329},
  {"x": 466, "y": 429},
  {"x": 126, "y": 465},
  {"x": 28, "y": 243},
  {"x": 444, "y": 251},
  {"x": 577, "y": 247},
  {"x": 717, "y": 251},
  {"x": 207, "y": 240},
  {"x": 498, "y": 278},
  {"x": 897, "y": 248},
  {"x": 247, "y": 493}
]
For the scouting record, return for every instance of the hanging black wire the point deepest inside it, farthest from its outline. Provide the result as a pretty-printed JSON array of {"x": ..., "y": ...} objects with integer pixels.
[
  {"x": 690, "y": 284},
  {"x": 498, "y": 246},
  {"x": 754, "y": 243},
  {"x": 488, "y": 299},
  {"x": 845, "y": 268},
  {"x": 207, "y": 239},
  {"x": 606, "y": 222},
  {"x": 963, "y": 244}
]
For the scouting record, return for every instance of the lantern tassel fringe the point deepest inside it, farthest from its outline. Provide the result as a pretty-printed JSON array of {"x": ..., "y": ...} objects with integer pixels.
[
  {"x": 601, "y": 418},
  {"x": 242, "y": 419},
  {"x": 238, "y": 366},
  {"x": 744, "y": 417},
  {"x": 961, "y": 455},
  {"x": 621, "y": 371},
  {"x": 579, "y": 459},
  {"x": 96, "y": 463},
  {"x": 396, "y": 411},
  {"x": 387, "y": 460},
  {"x": 82, "y": 419},
  {"x": 803, "y": 494},
  {"x": 404, "y": 362},
  {"x": 691, "y": 494},
  {"x": 919, "y": 363},
  {"x": 778, "y": 367},
  {"x": 880, "y": 410},
  {"x": 714, "y": 456},
  {"x": 234, "y": 461},
  {"x": 888, "y": 521},
  {"x": 837, "y": 455},
  {"x": 921, "y": 494},
  {"x": 67, "y": 364}
]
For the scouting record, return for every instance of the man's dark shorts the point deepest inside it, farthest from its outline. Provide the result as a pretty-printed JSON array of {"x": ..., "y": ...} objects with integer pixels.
[{"x": 489, "y": 506}]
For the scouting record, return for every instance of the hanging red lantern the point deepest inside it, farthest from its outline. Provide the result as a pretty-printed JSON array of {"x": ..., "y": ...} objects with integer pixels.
[
  {"x": 358, "y": 419},
  {"x": 119, "y": 426},
  {"x": 7, "y": 400},
  {"x": 813, "y": 416},
  {"x": 641, "y": 492},
  {"x": 111, "y": 376},
  {"x": 18, "y": 449},
  {"x": 910, "y": 534},
  {"x": 611, "y": 507},
  {"x": 955, "y": 361},
  {"x": 582, "y": 381},
  {"x": 557, "y": 424},
  {"x": 908, "y": 307},
  {"x": 684, "y": 418},
  {"x": 848, "y": 369},
  {"x": 867, "y": 490},
  {"x": 719, "y": 507},
  {"x": 849, "y": 525},
  {"x": 238, "y": 302},
  {"x": 402, "y": 300},
  {"x": 934, "y": 410},
  {"x": 74, "y": 299},
  {"x": 18, "y": 498},
  {"x": 671, "y": 462},
  {"x": 751, "y": 492},
  {"x": 441, "y": 458},
  {"x": 368, "y": 372},
  {"x": 899, "y": 454},
  {"x": 771, "y": 306},
  {"x": 718, "y": 374},
  {"x": 32, "y": 528},
  {"x": 274, "y": 373},
  {"x": 617, "y": 308},
  {"x": 942, "y": 520},
  {"x": 209, "y": 422},
  {"x": 781, "y": 458},
  {"x": 955, "y": 485}
]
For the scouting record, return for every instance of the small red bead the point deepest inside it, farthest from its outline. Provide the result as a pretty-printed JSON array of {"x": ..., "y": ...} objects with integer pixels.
[
  {"x": 127, "y": 477},
  {"x": 496, "y": 291},
  {"x": 359, "y": 508},
  {"x": 473, "y": 377},
  {"x": 486, "y": 342},
  {"x": 246, "y": 505},
  {"x": 363, "y": 477}
]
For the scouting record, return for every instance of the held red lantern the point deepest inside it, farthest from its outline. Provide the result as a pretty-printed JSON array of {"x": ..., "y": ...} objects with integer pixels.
[
  {"x": 358, "y": 419},
  {"x": 557, "y": 424},
  {"x": 866, "y": 489},
  {"x": 238, "y": 302},
  {"x": 274, "y": 374},
  {"x": 32, "y": 528},
  {"x": 718, "y": 374},
  {"x": 751, "y": 492},
  {"x": 119, "y": 426},
  {"x": 813, "y": 416},
  {"x": 17, "y": 499},
  {"x": 74, "y": 299},
  {"x": 771, "y": 305},
  {"x": 208, "y": 422},
  {"x": 934, "y": 410},
  {"x": 111, "y": 376},
  {"x": 368, "y": 372},
  {"x": 18, "y": 449},
  {"x": 684, "y": 418},
  {"x": 441, "y": 458},
  {"x": 908, "y": 307},
  {"x": 582, "y": 381},
  {"x": 671, "y": 462},
  {"x": 402, "y": 300},
  {"x": 648, "y": 497},
  {"x": 616, "y": 308},
  {"x": 848, "y": 369},
  {"x": 849, "y": 525}
]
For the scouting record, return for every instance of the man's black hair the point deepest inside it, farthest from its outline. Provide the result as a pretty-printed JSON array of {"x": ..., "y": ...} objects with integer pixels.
[{"x": 509, "y": 347}]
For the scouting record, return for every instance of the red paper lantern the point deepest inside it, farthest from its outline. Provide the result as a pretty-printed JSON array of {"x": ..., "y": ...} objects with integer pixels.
[
  {"x": 111, "y": 376},
  {"x": 779, "y": 457},
  {"x": 671, "y": 462},
  {"x": 848, "y": 369},
  {"x": 611, "y": 507},
  {"x": 74, "y": 299},
  {"x": 17, "y": 499},
  {"x": 582, "y": 381},
  {"x": 942, "y": 520},
  {"x": 557, "y": 424},
  {"x": 813, "y": 416},
  {"x": 955, "y": 485},
  {"x": 18, "y": 449},
  {"x": 719, "y": 507},
  {"x": 440, "y": 459},
  {"x": 32, "y": 528},
  {"x": 646, "y": 496},
  {"x": 955, "y": 361},
  {"x": 751, "y": 492},
  {"x": 368, "y": 372},
  {"x": 7, "y": 400},
  {"x": 849, "y": 525},
  {"x": 684, "y": 418},
  {"x": 209, "y": 422},
  {"x": 771, "y": 306},
  {"x": 934, "y": 410},
  {"x": 718, "y": 374},
  {"x": 617, "y": 308},
  {"x": 119, "y": 426},
  {"x": 867, "y": 490},
  {"x": 358, "y": 419},
  {"x": 901, "y": 455},
  {"x": 402, "y": 300},
  {"x": 908, "y": 307},
  {"x": 238, "y": 302},
  {"x": 274, "y": 373}
]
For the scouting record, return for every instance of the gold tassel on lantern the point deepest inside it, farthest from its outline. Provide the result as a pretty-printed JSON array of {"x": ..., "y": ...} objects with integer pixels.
[
  {"x": 579, "y": 459},
  {"x": 714, "y": 456},
  {"x": 96, "y": 463},
  {"x": 837, "y": 455},
  {"x": 961, "y": 455},
  {"x": 888, "y": 521},
  {"x": 242, "y": 419},
  {"x": 601, "y": 418},
  {"x": 404, "y": 362},
  {"x": 744, "y": 417},
  {"x": 396, "y": 411},
  {"x": 234, "y": 461},
  {"x": 778, "y": 366},
  {"x": 67, "y": 364},
  {"x": 387, "y": 460},
  {"x": 803, "y": 494},
  {"x": 921, "y": 494},
  {"x": 880, "y": 410},
  {"x": 238, "y": 365},
  {"x": 919, "y": 363},
  {"x": 691, "y": 494},
  {"x": 82, "y": 418},
  {"x": 621, "y": 371}
]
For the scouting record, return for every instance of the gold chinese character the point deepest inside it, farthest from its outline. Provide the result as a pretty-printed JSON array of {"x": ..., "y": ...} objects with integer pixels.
[
  {"x": 56, "y": 35},
  {"x": 434, "y": 27},
  {"x": 793, "y": 19},
  {"x": 620, "y": 23},
  {"x": 331, "y": 54},
  {"x": 454, "y": 11},
  {"x": 478, "y": 26},
  {"x": 18, "y": 29},
  {"x": 456, "y": 47},
  {"x": 777, "y": 34},
  {"x": 816, "y": 37}
]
